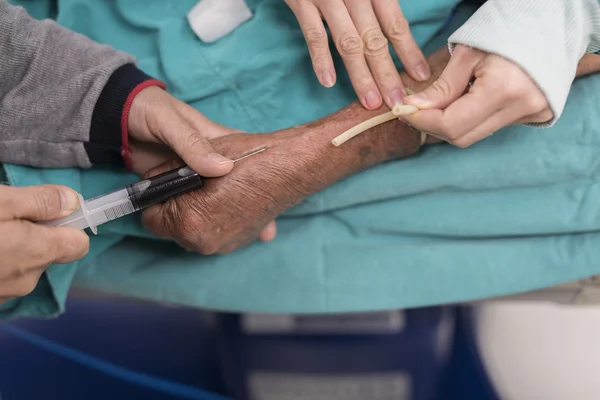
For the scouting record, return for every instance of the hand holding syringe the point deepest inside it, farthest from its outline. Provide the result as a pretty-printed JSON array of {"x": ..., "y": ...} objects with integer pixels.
[{"x": 135, "y": 197}]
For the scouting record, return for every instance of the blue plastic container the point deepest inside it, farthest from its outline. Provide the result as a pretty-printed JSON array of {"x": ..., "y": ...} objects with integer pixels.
[
  {"x": 110, "y": 348},
  {"x": 375, "y": 356}
]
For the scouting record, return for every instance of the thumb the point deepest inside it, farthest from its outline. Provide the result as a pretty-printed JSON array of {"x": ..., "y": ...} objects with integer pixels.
[
  {"x": 37, "y": 203},
  {"x": 452, "y": 82},
  {"x": 195, "y": 150}
]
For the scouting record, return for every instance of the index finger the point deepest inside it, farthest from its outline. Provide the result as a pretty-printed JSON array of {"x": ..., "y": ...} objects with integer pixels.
[{"x": 396, "y": 28}]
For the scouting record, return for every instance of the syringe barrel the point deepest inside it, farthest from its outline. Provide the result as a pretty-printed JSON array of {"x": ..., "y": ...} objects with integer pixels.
[{"x": 161, "y": 187}]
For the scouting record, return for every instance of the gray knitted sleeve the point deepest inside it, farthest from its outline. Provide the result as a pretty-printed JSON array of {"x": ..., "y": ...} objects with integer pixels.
[{"x": 50, "y": 80}]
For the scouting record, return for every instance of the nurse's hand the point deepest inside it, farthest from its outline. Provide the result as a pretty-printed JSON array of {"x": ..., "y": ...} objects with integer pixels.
[
  {"x": 157, "y": 119},
  {"x": 361, "y": 30},
  {"x": 501, "y": 94},
  {"x": 27, "y": 249}
]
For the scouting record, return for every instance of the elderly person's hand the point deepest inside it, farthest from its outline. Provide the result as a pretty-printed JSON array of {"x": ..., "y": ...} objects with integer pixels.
[
  {"x": 27, "y": 249},
  {"x": 361, "y": 30},
  {"x": 230, "y": 212},
  {"x": 163, "y": 128}
]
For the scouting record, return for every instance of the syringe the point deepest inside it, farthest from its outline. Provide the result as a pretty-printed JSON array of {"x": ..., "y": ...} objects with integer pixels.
[{"x": 134, "y": 197}]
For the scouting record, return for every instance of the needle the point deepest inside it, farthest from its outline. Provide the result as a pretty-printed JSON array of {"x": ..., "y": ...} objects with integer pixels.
[{"x": 259, "y": 150}]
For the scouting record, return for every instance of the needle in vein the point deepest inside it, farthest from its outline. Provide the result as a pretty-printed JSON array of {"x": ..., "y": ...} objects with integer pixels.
[{"x": 259, "y": 150}]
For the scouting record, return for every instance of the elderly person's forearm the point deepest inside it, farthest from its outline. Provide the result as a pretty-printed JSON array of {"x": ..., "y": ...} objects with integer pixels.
[
  {"x": 384, "y": 142},
  {"x": 231, "y": 211}
]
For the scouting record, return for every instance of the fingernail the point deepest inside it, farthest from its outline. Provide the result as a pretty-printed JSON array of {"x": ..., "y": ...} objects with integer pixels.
[
  {"x": 396, "y": 97},
  {"x": 423, "y": 72},
  {"x": 418, "y": 99},
  {"x": 404, "y": 109},
  {"x": 372, "y": 99},
  {"x": 69, "y": 201},
  {"x": 218, "y": 158},
  {"x": 327, "y": 79}
]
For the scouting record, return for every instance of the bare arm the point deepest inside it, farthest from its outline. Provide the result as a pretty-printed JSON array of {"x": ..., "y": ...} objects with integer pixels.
[
  {"x": 589, "y": 64},
  {"x": 231, "y": 211}
]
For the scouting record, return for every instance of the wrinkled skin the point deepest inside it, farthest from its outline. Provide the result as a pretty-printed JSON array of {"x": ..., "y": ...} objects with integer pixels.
[{"x": 230, "y": 212}]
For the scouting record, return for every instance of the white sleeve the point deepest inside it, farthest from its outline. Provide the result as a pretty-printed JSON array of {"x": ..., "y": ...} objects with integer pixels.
[{"x": 546, "y": 38}]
